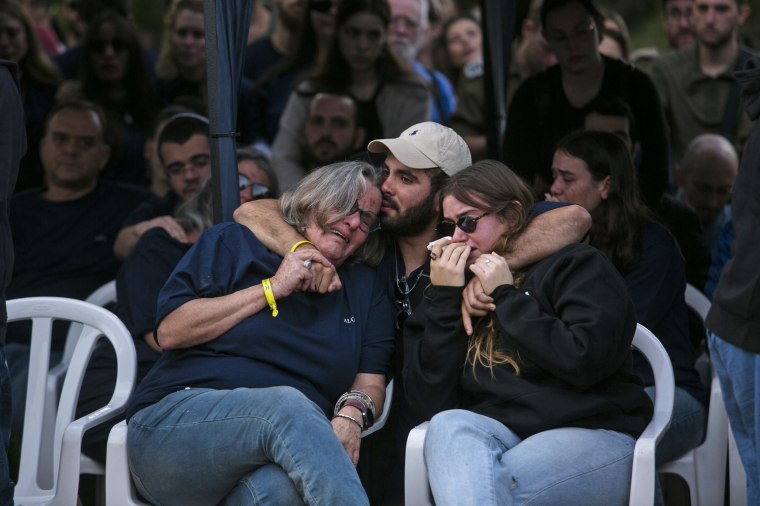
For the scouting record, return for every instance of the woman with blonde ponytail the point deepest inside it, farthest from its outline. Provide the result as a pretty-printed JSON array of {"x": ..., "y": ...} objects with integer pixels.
[{"x": 540, "y": 403}]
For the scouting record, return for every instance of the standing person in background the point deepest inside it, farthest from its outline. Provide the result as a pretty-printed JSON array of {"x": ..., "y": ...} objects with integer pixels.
[
  {"x": 734, "y": 318},
  {"x": 697, "y": 87},
  {"x": 389, "y": 95},
  {"x": 267, "y": 51},
  {"x": 552, "y": 104},
  {"x": 38, "y": 78},
  {"x": 13, "y": 142},
  {"x": 676, "y": 25},
  {"x": 408, "y": 34}
]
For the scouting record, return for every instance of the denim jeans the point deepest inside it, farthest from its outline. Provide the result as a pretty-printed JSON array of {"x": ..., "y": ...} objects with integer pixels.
[
  {"x": 6, "y": 485},
  {"x": 739, "y": 374},
  {"x": 687, "y": 426},
  {"x": 242, "y": 446},
  {"x": 475, "y": 460}
]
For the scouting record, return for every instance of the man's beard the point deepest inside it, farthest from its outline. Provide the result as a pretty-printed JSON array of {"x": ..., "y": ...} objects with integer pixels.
[{"x": 414, "y": 221}]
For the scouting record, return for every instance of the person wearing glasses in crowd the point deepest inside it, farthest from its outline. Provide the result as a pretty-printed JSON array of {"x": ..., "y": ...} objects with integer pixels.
[
  {"x": 184, "y": 151},
  {"x": 256, "y": 366},
  {"x": 140, "y": 279},
  {"x": 539, "y": 403},
  {"x": 551, "y": 104},
  {"x": 416, "y": 166}
]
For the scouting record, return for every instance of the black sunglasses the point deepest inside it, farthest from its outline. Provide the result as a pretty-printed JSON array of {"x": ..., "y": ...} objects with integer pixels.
[
  {"x": 258, "y": 191},
  {"x": 322, "y": 5},
  {"x": 466, "y": 224}
]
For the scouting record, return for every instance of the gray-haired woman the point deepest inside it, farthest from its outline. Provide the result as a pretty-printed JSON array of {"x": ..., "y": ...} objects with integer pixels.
[{"x": 239, "y": 405}]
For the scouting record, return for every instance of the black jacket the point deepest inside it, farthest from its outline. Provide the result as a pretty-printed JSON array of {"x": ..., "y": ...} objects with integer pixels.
[{"x": 569, "y": 326}]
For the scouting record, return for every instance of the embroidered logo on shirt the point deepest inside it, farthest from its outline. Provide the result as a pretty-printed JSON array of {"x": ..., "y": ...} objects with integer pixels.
[{"x": 349, "y": 320}]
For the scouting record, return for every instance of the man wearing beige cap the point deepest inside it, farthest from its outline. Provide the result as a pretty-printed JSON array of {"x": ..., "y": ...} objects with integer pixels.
[{"x": 416, "y": 166}]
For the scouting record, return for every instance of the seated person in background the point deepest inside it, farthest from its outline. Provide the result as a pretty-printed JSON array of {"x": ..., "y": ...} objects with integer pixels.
[
  {"x": 614, "y": 116},
  {"x": 63, "y": 234},
  {"x": 389, "y": 95},
  {"x": 184, "y": 150},
  {"x": 540, "y": 404},
  {"x": 332, "y": 130},
  {"x": 243, "y": 338},
  {"x": 140, "y": 279},
  {"x": 256, "y": 176},
  {"x": 706, "y": 176},
  {"x": 594, "y": 169}
]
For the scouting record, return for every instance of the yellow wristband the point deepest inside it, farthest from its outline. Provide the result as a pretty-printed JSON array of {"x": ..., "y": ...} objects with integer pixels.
[
  {"x": 270, "y": 296},
  {"x": 299, "y": 243}
]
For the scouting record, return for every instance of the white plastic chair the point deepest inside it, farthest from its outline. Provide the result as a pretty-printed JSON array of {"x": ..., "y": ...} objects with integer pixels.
[
  {"x": 704, "y": 467},
  {"x": 120, "y": 491},
  {"x": 417, "y": 489},
  {"x": 102, "y": 296},
  {"x": 52, "y": 476}
]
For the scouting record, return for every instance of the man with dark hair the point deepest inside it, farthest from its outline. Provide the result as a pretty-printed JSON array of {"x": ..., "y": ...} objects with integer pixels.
[
  {"x": 63, "y": 233},
  {"x": 13, "y": 142},
  {"x": 185, "y": 153},
  {"x": 696, "y": 84},
  {"x": 332, "y": 129}
]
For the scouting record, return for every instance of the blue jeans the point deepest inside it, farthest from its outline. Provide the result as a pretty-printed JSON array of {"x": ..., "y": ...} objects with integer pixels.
[
  {"x": 475, "y": 460},
  {"x": 739, "y": 374},
  {"x": 687, "y": 426},
  {"x": 242, "y": 446},
  {"x": 6, "y": 485}
]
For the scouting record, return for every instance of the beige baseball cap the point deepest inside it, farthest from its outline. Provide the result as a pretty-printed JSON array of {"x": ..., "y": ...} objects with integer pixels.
[{"x": 425, "y": 146}]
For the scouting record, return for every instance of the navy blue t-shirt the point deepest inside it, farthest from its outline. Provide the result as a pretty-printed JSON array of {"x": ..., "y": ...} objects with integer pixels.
[{"x": 317, "y": 344}]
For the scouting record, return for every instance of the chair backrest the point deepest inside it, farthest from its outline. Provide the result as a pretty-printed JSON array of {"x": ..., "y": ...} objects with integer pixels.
[
  {"x": 643, "y": 474},
  {"x": 102, "y": 296},
  {"x": 380, "y": 422},
  {"x": 67, "y": 438},
  {"x": 697, "y": 301}
]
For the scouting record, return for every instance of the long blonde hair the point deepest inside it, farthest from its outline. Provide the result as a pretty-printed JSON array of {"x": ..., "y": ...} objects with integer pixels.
[{"x": 493, "y": 188}]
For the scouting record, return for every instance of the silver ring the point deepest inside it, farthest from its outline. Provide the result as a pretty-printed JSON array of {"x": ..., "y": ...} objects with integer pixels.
[{"x": 307, "y": 264}]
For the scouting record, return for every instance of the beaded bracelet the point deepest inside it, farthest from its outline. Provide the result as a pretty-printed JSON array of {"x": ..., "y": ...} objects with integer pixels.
[
  {"x": 349, "y": 417},
  {"x": 358, "y": 395}
]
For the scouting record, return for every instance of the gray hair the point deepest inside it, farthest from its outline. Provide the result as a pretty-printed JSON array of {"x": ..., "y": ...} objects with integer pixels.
[{"x": 332, "y": 189}]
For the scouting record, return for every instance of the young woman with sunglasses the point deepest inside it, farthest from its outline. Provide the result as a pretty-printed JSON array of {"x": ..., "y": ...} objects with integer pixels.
[
  {"x": 540, "y": 404},
  {"x": 115, "y": 75}
]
